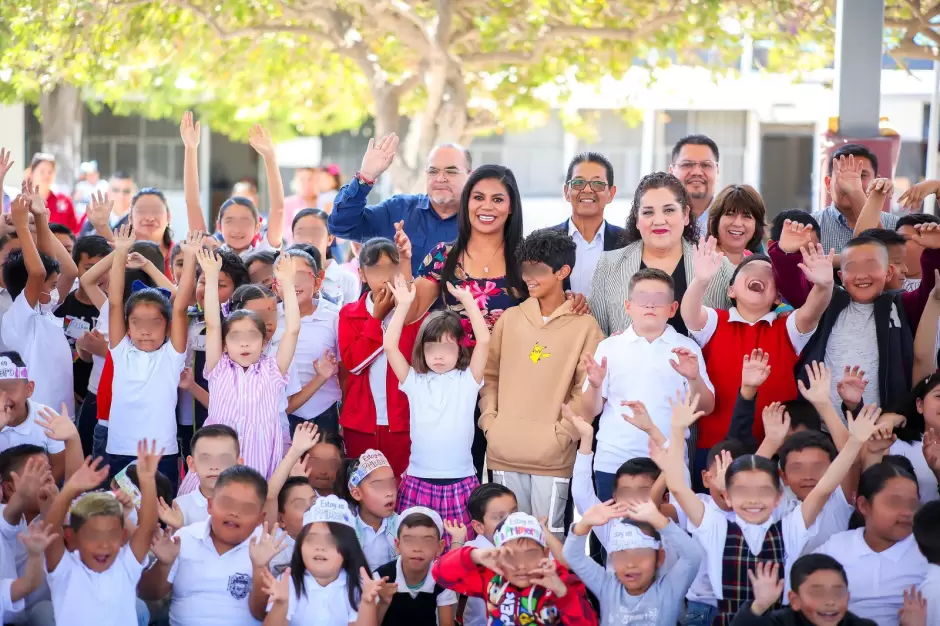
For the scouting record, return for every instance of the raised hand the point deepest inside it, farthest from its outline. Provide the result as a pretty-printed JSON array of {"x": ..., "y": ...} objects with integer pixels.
[
  {"x": 165, "y": 546},
  {"x": 58, "y": 426},
  {"x": 99, "y": 209},
  {"x": 172, "y": 516},
  {"x": 927, "y": 235},
  {"x": 37, "y": 537},
  {"x": 865, "y": 425},
  {"x": 402, "y": 241},
  {"x": 37, "y": 205},
  {"x": 210, "y": 263},
  {"x": 767, "y": 586},
  {"x": 914, "y": 197},
  {"x": 193, "y": 243},
  {"x": 852, "y": 386},
  {"x": 687, "y": 365},
  {"x": 820, "y": 380},
  {"x": 644, "y": 511},
  {"x": 776, "y": 422},
  {"x": 546, "y": 575},
  {"x": 403, "y": 292},
  {"x": 457, "y": 531},
  {"x": 306, "y": 436},
  {"x": 148, "y": 458},
  {"x": 126, "y": 500},
  {"x": 284, "y": 272},
  {"x": 370, "y": 586},
  {"x": 136, "y": 261},
  {"x": 756, "y": 369},
  {"x": 881, "y": 187},
  {"x": 187, "y": 380},
  {"x": 706, "y": 259},
  {"x": 817, "y": 265},
  {"x": 189, "y": 131},
  {"x": 34, "y": 475},
  {"x": 932, "y": 450},
  {"x": 490, "y": 558},
  {"x": 6, "y": 162},
  {"x": 914, "y": 610},
  {"x": 19, "y": 211},
  {"x": 260, "y": 139},
  {"x": 585, "y": 430},
  {"x": 88, "y": 476},
  {"x": 326, "y": 365},
  {"x": 264, "y": 547},
  {"x": 722, "y": 463},
  {"x": 641, "y": 417},
  {"x": 47, "y": 494},
  {"x": 684, "y": 411},
  {"x": 596, "y": 372},
  {"x": 462, "y": 295},
  {"x": 847, "y": 171},
  {"x": 379, "y": 156},
  {"x": 278, "y": 591},
  {"x": 794, "y": 236},
  {"x": 123, "y": 239}
]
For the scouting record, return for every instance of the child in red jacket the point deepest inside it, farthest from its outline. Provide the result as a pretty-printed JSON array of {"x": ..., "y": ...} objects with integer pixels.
[{"x": 519, "y": 582}]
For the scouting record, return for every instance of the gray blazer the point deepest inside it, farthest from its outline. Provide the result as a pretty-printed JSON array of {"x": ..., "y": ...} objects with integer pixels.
[{"x": 612, "y": 280}]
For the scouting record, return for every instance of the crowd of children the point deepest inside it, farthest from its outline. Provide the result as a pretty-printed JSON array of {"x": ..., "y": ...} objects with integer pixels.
[{"x": 252, "y": 435}]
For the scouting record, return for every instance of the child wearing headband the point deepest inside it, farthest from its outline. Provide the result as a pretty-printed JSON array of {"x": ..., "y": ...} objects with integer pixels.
[
  {"x": 634, "y": 592},
  {"x": 373, "y": 486}
]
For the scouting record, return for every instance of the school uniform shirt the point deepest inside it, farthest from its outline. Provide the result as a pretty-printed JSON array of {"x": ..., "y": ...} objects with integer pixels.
[
  {"x": 930, "y": 589},
  {"x": 9, "y": 535},
  {"x": 319, "y": 331},
  {"x": 143, "y": 405},
  {"x": 442, "y": 424},
  {"x": 339, "y": 285},
  {"x": 7, "y": 575},
  {"x": 282, "y": 559},
  {"x": 194, "y": 506},
  {"x": 208, "y": 587},
  {"x": 29, "y": 432},
  {"x": 77, "y": 318},
  {"x": 318, "y": 605},
  {"x": 926, "y": 479},
  {"x": 40, "y": 340},
  {"x": 97, "y": 362},
  {"x": 638, "y": 370},
  {"x": 701, "y": 588},
  {"x": 414, "y": 607},
  {"x": 6, "y": 301},
  {"x": 378, "y": 545},
  {"x": 474, "y": 613},
  {"x": 832, "y": 519},
  {"x": 877, "y": 580},
  {"x": 81, "y": 596}
]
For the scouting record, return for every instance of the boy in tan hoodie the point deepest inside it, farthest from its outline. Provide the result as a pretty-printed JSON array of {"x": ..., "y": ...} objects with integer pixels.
[{"x": 535, "y": 366}]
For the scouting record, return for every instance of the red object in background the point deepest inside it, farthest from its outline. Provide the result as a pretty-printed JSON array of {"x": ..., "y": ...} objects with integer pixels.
[
  {"x": 886, "y": 148},
  {"x": 62, "y": 211},
  {"x": 105, "y": 385}
]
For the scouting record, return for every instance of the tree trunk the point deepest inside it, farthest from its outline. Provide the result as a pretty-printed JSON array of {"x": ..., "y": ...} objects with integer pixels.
[{"x": 61, "y": 114}]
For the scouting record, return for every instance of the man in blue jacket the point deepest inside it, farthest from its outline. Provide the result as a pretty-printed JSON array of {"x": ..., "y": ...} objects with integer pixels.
[{"x": 429, "y": 218}]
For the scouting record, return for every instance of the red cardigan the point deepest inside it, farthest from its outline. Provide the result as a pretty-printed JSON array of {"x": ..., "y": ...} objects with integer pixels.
[{"x": 360, "y": 343}]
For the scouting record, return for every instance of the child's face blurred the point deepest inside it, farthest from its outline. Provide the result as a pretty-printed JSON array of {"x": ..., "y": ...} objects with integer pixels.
[
  {"x": 497, "y": 510},
  {"x": 211, "y": 457},
  {"x": 244, "y": 342},
  {"x": 235, "y": 510},
  {"x": 633, "y": 487},
  {"x": 441, "y": 356},
  {"x": 98, "y": 541},
  {"x": 804, "y": 468},
  {"x": 753, "y": 495},
  {"x": 890, "y": 513},
  {"x": 312, "y": 231},
  {"x": 266, "y": 308},
  {"x": 177, "y": 268},
  {"x": 708, "y": 479},
  {"x": 823, "y": 598},
  {"x": 897, "y": 258},
  {"x": 147, "y": 327},
  {"x": 323, "y": 463},
  {"x": 306, "y": 283},
  {"x": 864, "y": 272},
  {"x": 376, "y": 276},
  {"x": 651, "y": 305},
  {"x": 86, "y": 262},
  {"x": 418, "y": 547},
  {"x": 929, "y": 407},
  {"x": 754, "y": 288},
  {"x": 377, "y": 492},
  {"x": 238, "y": 226},
  {"x": 226, "y": 288},
  {"x": 525, "y": 557},
  {"x": 298, "y": 500},
  {"x": 541, "y": 280},
  {"x": 261, "y": 273},
  {"x": 66, "y": 242},
  {"x": 320, "y": 553},
  {"x": 636, "y": 569},
  {"x": 17, "y": 391},
  {"x": 48, "y": 287}
]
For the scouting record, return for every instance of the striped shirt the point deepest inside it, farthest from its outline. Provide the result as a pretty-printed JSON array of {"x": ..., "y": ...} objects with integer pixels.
[{"x": 835, "y": 230}]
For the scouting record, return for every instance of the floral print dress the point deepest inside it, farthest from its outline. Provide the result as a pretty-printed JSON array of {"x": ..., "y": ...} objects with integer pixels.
[{"x": 491, "y": 294}]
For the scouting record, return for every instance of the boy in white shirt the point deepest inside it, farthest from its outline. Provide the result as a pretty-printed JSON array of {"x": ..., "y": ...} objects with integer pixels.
[
  {"x": 96, "y": 583},
  {"x": 214, "y": 449},
  {"x": 641, "y": 369},
  {"x": 38, "y": 277},
  {"x": 926, "y": 524}
]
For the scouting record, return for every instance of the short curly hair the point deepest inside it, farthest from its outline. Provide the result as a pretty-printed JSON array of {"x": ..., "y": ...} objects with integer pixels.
[
  {"x": 552, "y": 247},
  {"x": 660, "y": 180}
]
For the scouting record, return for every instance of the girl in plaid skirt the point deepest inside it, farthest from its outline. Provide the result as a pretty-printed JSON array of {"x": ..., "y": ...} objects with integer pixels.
[{"x": 442, "y": 385}]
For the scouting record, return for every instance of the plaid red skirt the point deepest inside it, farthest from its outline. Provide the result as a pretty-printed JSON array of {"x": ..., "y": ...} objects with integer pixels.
[{"x": 450, "y": 501}]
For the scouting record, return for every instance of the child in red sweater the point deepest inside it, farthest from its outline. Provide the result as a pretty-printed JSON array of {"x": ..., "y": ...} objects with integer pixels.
[{"x": 517, "y": 579}]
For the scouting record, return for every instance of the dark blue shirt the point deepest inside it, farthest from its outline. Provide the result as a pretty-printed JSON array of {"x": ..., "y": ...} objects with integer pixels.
[{"x": 352, "y": 219}]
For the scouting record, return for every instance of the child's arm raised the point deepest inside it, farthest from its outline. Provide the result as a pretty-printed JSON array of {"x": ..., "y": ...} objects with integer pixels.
[
  {"x": 284, "y": 273},
  {"x": 278, "y": 592},
  {"x": 49, "y": 244},
  {"x": 776, "y": 426},
  {"x": 261, "y": 550},
  {"x": 305, "y": 437},
  {"x": 592, "y": 396},
  {"x": 137, "y": 261},
  {"x": 860, "y": 430},
  {"x": 480, "y": 331},
  {"x": 90, "y": 279},
  {"x": 211, "y": 267},
  {"x": 675, "y": 541},
  {"x": 684, "y": 413},
  {"x": 691, "y": 366},
  {"x": 817, "y": 268},
  {"x": 153, "y": 584},
  {"x": 404, "y": 296},
  {"x": 88, "y": 477},
  {"x": 878, "y": 190},
  {"x": 190, "y": 247},
  {"x": 260, "y": 140},
  {"x": 148, "y": 458},
  {"x": 36, "y": 538},
  {"x": 117, "y": 329},
  {"x": 581, "y": 564},
  {"x": 60, "y": 427},
  {"x": 35, "y": 270},
  {"x": 754, "y": 373},
  {"x": 189, "y": 132},
  {"x": 707, "y": 262},
  {"x": 817, "y": 394}
]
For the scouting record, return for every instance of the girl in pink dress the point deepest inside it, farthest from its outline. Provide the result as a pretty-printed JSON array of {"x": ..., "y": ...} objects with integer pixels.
[{"x": 244, "y": 384}]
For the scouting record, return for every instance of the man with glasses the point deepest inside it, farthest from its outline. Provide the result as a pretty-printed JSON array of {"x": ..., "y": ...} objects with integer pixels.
[
  {"x": 695, "y": 164},
  {"x": 589, "y": 188},
  {"x": 120, "y": 191},
  {"x": 430, "y": 218}
]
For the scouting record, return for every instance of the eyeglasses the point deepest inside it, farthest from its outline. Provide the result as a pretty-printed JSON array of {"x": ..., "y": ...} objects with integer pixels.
[
  {"x": 706, "y": 166},
  {"x": 596, "y": 185},
  {"x": 449, "y": 172}
]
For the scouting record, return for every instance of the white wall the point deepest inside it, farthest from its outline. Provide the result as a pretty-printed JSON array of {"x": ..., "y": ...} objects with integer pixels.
[{"x": 13, "y": 138}]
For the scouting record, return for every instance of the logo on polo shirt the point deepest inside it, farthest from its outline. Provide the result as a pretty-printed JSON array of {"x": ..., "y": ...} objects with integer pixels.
[
  {"x": 61, "y": 206},
  {"x": 239, "y": 585},
  {"x": 538, "y": 353}
]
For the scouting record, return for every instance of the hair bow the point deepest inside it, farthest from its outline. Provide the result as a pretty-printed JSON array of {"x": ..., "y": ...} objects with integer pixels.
[{"x": 137, "y": 285}]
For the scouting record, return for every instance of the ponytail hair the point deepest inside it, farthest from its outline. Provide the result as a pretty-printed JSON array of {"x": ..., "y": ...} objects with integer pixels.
[{"x": 874, "y": 479}]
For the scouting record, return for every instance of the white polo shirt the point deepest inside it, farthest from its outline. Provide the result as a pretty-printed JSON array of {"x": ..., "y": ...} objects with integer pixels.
[
  {"x": 40, "y": 340},
  {"x": 29, "y": 432},
  {"x": 209, "y": 588},
  {"x": 194, "y": 506},
  {"x": 832, "y": 519},
  {"x": 320, "y": 606},
  {"x": 81, "y": 596},
  {"x": 587, "y": 254},
  {"x": 446, "y": 598},
  {"x": 9, "y": 535},
  {"x": 340, "y": 285},
  {"x": 318, "y": 332},
  {"x": 378, "y": 545},
  {"x": 7, "y": 575},
  {"x": 926, "y": 479},
  {"x": 143, "y": 405},
  {"x": 638, "y": 370},
  {"x": 6, "y": 301},
  {"x": 877, "y": 580}
]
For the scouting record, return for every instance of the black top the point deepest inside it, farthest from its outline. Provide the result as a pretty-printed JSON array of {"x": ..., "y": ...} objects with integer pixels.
[
  {"x": 678, "y": 279},
  {"x": 78, "y": 318},
  {"x": 788, "y": 617},
  {"x": 406, "y": 610}
]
